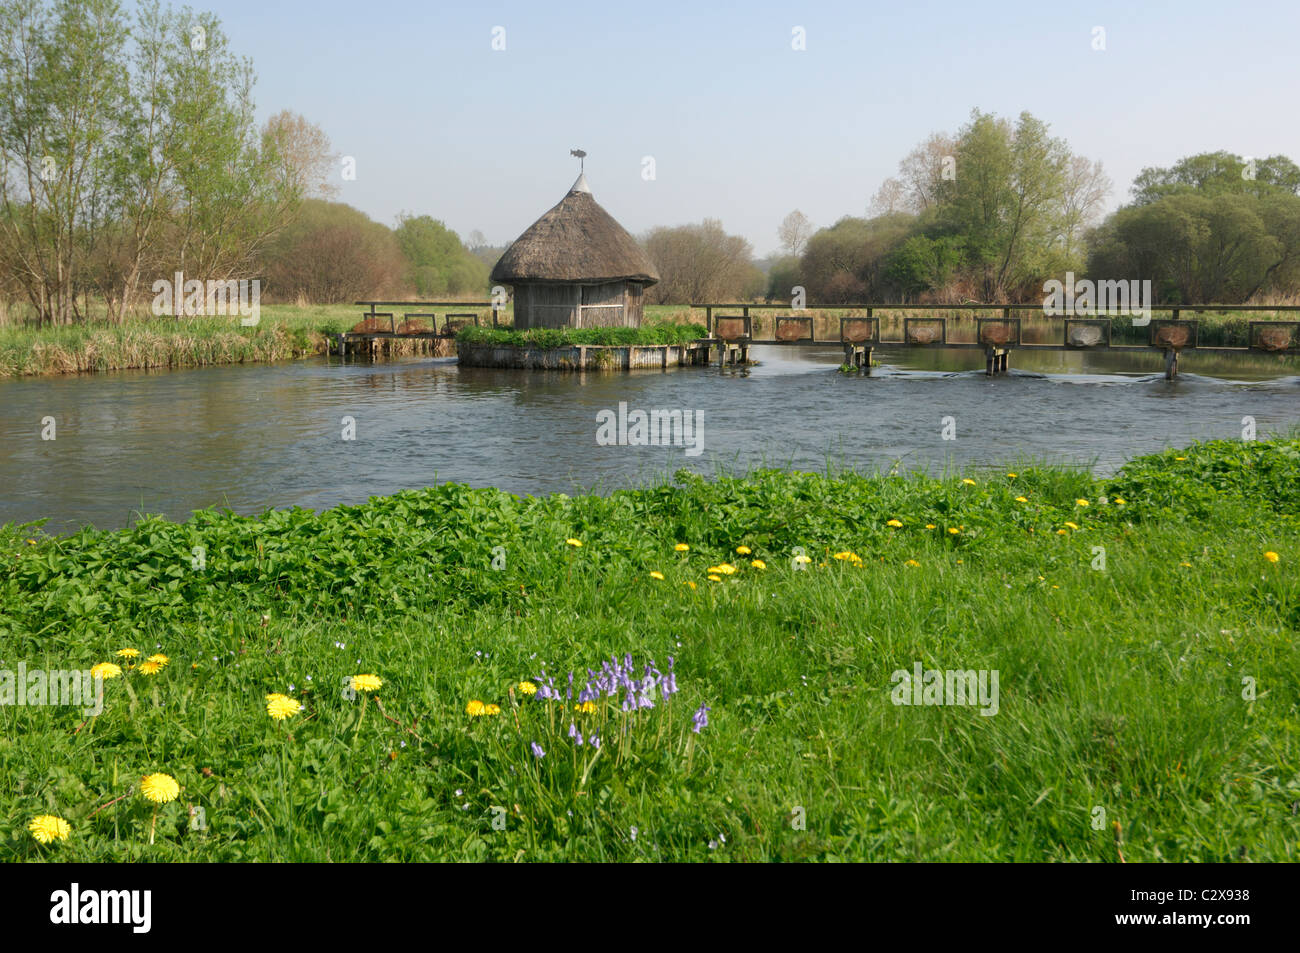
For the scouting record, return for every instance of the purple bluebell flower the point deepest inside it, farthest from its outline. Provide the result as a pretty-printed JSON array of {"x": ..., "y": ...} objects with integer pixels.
[
  {"x": 537, "y": 751},
  {"x": 701, "y": 718},
  {"x": 595, "y": 742}
]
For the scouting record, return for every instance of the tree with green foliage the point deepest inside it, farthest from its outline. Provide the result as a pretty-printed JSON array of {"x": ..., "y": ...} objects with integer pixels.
[
  {"x": 437, "y": 262},
  {"x": 128, "y": 152},
  {"x": 1210, "y": 229},
  {"x": 334, "y": 254},
  {"x": 847, "y": 261}
]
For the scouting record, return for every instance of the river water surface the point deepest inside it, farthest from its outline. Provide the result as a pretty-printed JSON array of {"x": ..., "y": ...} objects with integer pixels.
[{"x": 256, "y": 436}]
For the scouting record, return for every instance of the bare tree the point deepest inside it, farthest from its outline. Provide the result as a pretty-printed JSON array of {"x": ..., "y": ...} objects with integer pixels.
[
  {"x": 1086, "y": 188},
  {"x": 922, "y": 170},
  {"x": 304, "y": 152},
  {"x": 794, "y": 232},
  {"x": 698, "y": 263},
  {"x": 890, "y": 199}
]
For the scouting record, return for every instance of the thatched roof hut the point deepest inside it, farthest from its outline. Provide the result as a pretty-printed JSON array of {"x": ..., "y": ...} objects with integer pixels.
[{"x": 576, "y": 267}]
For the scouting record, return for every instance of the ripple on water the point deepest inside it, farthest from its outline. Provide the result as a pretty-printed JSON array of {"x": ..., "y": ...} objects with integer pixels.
[{"x": 253, "y": 436}]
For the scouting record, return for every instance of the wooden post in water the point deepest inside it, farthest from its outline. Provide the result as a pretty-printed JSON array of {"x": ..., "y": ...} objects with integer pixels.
[{"x": 1171, "y": 364}]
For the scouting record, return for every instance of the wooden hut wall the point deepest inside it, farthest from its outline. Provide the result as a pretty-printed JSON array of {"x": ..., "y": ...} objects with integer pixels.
[
  {"x": 634, "y": 308},
  {"x": 603, "y": 305},
  {"x": 520, "y": 298},
  {"x": 549, "y": 306}
]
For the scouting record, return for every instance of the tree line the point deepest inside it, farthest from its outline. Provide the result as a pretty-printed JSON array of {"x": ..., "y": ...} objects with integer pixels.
[
  {"x": 993, "y": 210},
  {"x": 129, "y": 152}
]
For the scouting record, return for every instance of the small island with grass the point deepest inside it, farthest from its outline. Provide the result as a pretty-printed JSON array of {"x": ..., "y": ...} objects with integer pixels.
[{"x": 664, "y": 344}]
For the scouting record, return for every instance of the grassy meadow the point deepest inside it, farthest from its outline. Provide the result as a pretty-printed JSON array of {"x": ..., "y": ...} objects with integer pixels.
[{"x": 1148, "y": 690}]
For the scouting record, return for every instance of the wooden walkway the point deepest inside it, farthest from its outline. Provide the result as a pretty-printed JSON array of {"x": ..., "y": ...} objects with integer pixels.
[
  {"x": 860, "y": 333},
  {"x": 729, "y": 327},
  {"x": 378, "y": 329}
]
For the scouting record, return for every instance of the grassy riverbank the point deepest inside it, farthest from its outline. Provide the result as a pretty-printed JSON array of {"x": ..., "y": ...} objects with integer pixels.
[
  {"x": 286, "y": 332},
  {"x": 1147, "y": 704}
]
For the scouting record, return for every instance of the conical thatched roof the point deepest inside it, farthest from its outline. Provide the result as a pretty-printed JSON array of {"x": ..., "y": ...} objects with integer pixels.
[{"x": 575, "y": 241}]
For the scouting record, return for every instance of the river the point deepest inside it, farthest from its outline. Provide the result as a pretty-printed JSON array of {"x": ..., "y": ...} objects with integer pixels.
[{"x": 256, "y": 436}]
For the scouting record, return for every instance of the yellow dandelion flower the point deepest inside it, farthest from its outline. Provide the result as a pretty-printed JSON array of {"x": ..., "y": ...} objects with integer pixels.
[
  {"x": 1022, "y": 499},
  {"x": 1062, "y": 532},
  {"x": 159, "y": 788},
  {"x": 575, "y": 543},
  {"x": 1071, "y": 525},
  {"x": 1080, "y": 502},
  {"x": 742, "y": 550},
  {"x": 1272, "y": 556},
  {"x": 281, "y": 707},
  {"x": 587, "y": 708},
  {"x": 656, "y": 575},
  {"x": 726, "y": 569},
  {"x": 1180, "y": 458},
  {"x": 150, "y": 668},
  {"x": 475, "y": 708},
  {"x": 1119, "y": 501},
  {"x": 127, "y": 653},
  {"x": 159, "y": 659},
  {"x": 758, "y": 564},
  {"x": 682, "y": 548},
  {"x": 968, "y": 481},
  {"x": 953, "y": 530},
  {"x": 367, "y": 683},
  {"x": 47, "y": 828},
  {"x": 713, "y": 578},
  {"x": 105, "y": 670},
  {"x": 897, "y": 524},
  {"x": 802, "y": 560},
  {"x": 1011, "y": 476},
  {"x": 930, "y": 526},
  {"x": 491, "y": 709},
  {"x": 911, "y": 562},
  {"x": 846, "y": 555},
  {"x": 1186, "y": 565},
  {"x": 31, "y": 542},
  {"x": 691, "y": 584},
  {"x": 528, "y": 688}
]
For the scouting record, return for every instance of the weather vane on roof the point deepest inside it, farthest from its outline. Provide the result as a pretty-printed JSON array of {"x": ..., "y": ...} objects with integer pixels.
[{"x": 581, "y": 155}]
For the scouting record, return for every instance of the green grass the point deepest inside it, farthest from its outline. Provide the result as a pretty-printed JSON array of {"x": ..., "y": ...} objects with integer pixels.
[
  {"x": 1121, "y": 689},
  {"x": 288, "y": 331},
  {"x": 659, "y": 332}
]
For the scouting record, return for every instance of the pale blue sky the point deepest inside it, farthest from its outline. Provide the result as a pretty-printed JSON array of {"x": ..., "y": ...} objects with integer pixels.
[{"x": 743, "y": 128}]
